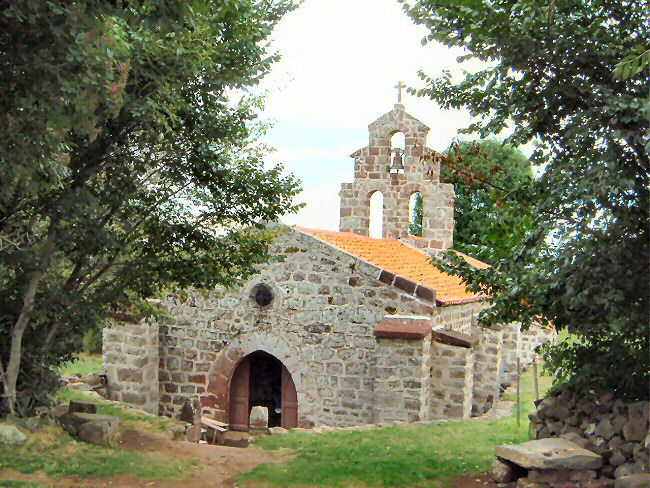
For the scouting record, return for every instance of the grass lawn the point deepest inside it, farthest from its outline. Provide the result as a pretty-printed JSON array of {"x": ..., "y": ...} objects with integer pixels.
[
  {"x": 424, "y": 455},
  {"x": 54, "y": 453},
  {"x": 84, "y": 365}
]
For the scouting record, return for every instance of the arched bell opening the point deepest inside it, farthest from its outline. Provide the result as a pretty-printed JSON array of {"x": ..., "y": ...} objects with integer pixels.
[
  {"x": 376, "y": 214},
  {"x": 260, "y": 379},
  {"x": 416, "y": 214},
  {"x": 397, "y": 153}
]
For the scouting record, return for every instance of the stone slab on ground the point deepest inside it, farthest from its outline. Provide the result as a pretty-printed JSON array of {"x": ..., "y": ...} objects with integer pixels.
[
  {"x": 278, "y": 431},
  {"x": 550, "y": 453},
  {"x": 73, "y": 421},
  {"x": 12, "y": 435},
  {"x": 634, "y": 481}
]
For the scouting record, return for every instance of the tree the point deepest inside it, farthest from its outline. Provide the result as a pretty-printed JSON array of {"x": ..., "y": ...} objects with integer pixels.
[
  {"x": 130, "y": 165},
  {"x": 584, "y": 265},
  {"x": 491, "y": 216}
]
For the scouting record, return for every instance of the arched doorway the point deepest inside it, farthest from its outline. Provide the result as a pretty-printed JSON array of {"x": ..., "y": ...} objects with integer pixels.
[{"x": 261, "y": 379}]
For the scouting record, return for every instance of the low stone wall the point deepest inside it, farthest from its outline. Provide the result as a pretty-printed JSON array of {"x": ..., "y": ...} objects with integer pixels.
[
  {"x": 615, "y": 430},
  {"x": 130, "y": 356}
]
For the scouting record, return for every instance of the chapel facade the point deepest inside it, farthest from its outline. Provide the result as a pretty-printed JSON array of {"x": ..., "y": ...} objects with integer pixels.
[{"x": 341, "y": 328}]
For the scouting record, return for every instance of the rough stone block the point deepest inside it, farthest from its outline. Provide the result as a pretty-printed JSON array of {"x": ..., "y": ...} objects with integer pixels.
[
  {"x": 129, "y": 374},
  {"x": 82, "y": 407},
  {"x": 100, "y": 432},
  {"x": 135, "y": 398},
  {"x": 12, "y": 435}
]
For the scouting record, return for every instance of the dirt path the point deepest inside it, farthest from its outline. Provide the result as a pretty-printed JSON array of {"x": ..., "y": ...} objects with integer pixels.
[
  {"x": 479, "y": 480},
  {"x": 217, "y": 464}
]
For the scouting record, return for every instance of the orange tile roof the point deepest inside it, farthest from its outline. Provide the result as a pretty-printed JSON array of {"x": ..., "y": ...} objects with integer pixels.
[{"x": 400, "y": 259}]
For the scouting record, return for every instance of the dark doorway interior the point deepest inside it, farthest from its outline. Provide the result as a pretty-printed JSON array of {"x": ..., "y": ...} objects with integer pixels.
[{"x": 266, "y": 385}]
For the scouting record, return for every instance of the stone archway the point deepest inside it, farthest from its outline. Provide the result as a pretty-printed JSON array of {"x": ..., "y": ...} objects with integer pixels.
[
  {"x": 261, "y": 379},
  {"x": 217, "y": 398}
]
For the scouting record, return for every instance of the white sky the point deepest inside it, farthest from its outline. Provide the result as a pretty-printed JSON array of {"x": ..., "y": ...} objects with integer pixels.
[{"x": 340, "y": 62}]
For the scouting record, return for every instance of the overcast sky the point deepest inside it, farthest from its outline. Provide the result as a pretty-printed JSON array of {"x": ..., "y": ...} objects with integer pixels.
[{"x": 340, "y": 62}]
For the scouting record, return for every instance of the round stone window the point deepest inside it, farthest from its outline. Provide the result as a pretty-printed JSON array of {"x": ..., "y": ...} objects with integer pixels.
[{"x": 262, "y": 295}]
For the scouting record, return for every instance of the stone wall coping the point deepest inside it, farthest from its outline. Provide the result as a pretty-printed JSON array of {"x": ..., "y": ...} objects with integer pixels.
[
  {"x": 417, "y": 291},
  {"x": 404, "y": 327},
  {"x": 126, "y": 317},
  {"x": 453, "y": 338}
]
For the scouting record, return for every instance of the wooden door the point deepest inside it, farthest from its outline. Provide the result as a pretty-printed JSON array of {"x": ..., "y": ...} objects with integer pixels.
[
  {"x": 289, "y": 416},
  {"x": 239, "y": 393}
]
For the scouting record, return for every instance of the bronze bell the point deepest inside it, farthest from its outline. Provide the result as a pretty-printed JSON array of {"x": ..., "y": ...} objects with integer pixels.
[{"x": 397, "y": 164}]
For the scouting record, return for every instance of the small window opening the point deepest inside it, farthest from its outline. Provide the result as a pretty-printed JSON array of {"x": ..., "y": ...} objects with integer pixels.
[
  {"x": 376, "y": 229},
  {"x": 262, "y": 295},
  {"x": 415, "y": 214},
  {"x": 397, "y": 151}
]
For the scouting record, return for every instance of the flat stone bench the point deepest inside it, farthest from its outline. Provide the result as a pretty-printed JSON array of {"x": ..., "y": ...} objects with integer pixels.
[{"x": 547, "y": 462}]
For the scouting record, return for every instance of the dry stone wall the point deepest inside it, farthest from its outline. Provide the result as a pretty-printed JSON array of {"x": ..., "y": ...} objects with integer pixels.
[
  {"x": 616, "y": 430},
  {"x": 130, "y": 356}
]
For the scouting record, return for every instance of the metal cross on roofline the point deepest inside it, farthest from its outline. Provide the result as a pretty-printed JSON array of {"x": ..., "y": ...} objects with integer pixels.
[{"x": 399, "y": 87}]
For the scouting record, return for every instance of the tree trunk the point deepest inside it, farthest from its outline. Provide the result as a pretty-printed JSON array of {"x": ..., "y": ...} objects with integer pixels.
[{"x": 10, "y": 375}]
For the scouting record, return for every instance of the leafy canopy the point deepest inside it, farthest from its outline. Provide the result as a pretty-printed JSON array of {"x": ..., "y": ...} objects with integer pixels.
[
  {"x": 491, "y": 214},
  {"x": 549, "y": 77},
  {"x": 130, "y": 164}
]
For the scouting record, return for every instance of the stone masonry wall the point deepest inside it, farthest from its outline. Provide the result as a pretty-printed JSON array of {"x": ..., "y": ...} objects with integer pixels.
[
  {"x": 372, "y": 172},
  {"x": 402, "y": 385},
  {"x": 130, "y": 356},
  {"x": 533, "y": 337},
  {"x": 511, "y": 350},
  {"x": 451, "y": 371},
  {"x": 521, "y": 344},
  {"x": 460, "y": 318},
  {"x": 320, "y": 324},
  {"x": 487, "y": 362}
]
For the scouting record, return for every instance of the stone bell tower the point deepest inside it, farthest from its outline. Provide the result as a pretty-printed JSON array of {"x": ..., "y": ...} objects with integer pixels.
[{"x": 398, "y": 173}]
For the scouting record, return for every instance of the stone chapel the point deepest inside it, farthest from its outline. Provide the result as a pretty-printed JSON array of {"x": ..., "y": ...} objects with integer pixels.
[{"x": 342, "y": 328}]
